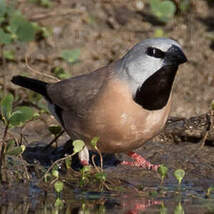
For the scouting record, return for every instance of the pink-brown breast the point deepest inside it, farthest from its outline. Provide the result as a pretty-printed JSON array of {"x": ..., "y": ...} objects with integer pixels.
[{"x": 121, "y": 124}]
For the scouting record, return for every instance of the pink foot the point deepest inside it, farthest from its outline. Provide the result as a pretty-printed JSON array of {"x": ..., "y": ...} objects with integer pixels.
[{"x": 139, "y": 161}]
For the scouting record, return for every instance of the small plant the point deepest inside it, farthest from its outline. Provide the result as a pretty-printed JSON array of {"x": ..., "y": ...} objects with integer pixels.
[
  {"x": 163, "y": 209},
  {"x": 85, "y": 175},
  {"x": 11, "y": 118},
  {"x": 58, "y": 186},
  {"x": 71, "y": 56},
  {"x": 60, "y": 73},
  {"x": 179, "y": 175},
  {"x": 56, "y": 131},
  {"x": 162, "y": 170},
  {"x": 58, "y": 204},
  {"x": 14, "y": 26},
  {"x": 163, "y": 10},
  {"x": 179, "y": 209}
]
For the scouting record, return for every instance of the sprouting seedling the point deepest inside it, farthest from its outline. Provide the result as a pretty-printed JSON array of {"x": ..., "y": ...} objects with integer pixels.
[
  {"x": 179, "y": 209},
  {"x": 78, "y": 145},
  {"x": 84, "y": 174},
  {"x": 209, "y": 190},
  {"x": 163, "y": 209},
  {"x": 60, "y": 73},
  {"x": 94, "y": 142},
  {"x": 58, "y": 186},
  {"x": 58, "y": 204},
  {"x": 179, "y": 175},
  {"x": 162, "y": 170},
  {"x": 56, "y": 130},
  {"x": 55, "y": 173}
]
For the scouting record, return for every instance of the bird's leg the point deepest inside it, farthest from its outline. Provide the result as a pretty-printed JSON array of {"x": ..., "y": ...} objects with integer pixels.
[
  {"x": 139, "y": 161},
  {"x": 84, "y": 156}
]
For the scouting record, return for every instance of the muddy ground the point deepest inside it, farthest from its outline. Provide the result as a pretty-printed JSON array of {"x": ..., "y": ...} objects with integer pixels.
[{"x": 104, "y": 31}]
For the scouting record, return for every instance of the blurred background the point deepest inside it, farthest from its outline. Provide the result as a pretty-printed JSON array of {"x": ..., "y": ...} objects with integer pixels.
[{"x": 53, "y": 40}]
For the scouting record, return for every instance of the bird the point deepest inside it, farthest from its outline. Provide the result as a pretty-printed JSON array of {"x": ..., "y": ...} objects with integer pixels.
[{"x": 125, "y": 103}]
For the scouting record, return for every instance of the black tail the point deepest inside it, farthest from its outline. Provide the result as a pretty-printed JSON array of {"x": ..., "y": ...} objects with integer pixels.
[{"x": 32, "y": 84}]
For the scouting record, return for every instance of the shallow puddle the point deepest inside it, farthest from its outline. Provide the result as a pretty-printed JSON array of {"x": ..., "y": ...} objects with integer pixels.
[
  {"x": 169, "y": 198},
  {"x": 139, "y": 191}
]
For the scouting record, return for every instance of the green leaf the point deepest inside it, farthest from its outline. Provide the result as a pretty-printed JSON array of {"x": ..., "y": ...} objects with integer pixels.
[
  {"x": 162, "y": 170},
  {"x": 55, "y": 129},
  {"x": 5, "y": 38},
  {"x": 60, "y": 73},
  {"x": 17, "y": 150},
  {"x": 58, "y": 203},
  {"x": 78, "y": 145},
  {"x": 58, "y": 186},
  {"x": 94, "y": 142},
  {"x": 179, "y": 174},
  {"x": 21, "y": 115},
  {"x": 71, "y": 56},
  {"x": 9, "y": 55},
  {"x": 55, "y": 173},
  {"x": 163, "y": 10},
  {"x": 6, "y": 107},
  {"x": 22, "y": 28}
]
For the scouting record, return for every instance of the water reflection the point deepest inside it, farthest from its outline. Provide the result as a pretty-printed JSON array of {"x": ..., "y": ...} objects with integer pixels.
[{"x": 102, "y": 204}]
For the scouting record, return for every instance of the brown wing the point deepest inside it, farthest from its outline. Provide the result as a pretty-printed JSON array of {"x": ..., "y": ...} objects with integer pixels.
[{"x": 77, "y": 94}]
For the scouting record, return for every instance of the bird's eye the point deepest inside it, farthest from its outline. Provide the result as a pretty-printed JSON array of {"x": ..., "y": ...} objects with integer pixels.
[{"x": 155, "y": 52}]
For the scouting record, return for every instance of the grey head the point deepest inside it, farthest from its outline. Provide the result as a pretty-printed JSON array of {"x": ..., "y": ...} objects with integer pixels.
[{"x": 149, "y": 69}]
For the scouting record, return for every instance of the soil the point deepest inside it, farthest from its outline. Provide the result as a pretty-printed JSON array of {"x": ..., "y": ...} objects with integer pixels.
[{"x": 104, "y": 31}]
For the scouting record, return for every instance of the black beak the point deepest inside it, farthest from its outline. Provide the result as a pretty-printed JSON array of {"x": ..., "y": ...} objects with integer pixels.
[{"x": 175, "y": 56}]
